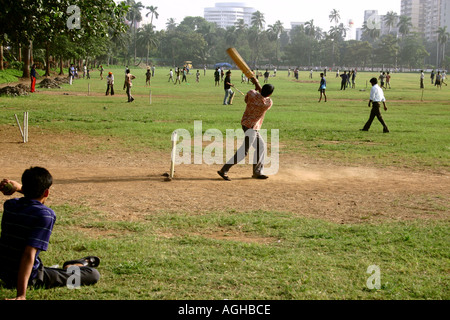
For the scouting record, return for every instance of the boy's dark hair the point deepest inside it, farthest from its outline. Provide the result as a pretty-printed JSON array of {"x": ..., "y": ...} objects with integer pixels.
[
  {"x": 374, "y": 81},
  {"x": 35, "y": 181},
  {"x": 267, "y": 90}
]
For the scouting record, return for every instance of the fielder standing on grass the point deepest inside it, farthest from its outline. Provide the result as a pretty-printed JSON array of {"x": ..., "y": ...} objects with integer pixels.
[
  {"x": 33, "y": 78},
  {"x": 322, "y": 87},
  {"x": 128, "y": 84},
  {"x": 229, "y": 94},
  {"x": 376, "y": 97},
  {"x": 258, "y": 103},
  {"x": 110, "y": 83}
]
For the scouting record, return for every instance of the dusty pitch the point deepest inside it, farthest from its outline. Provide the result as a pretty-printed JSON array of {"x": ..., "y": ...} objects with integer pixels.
[{"x": 130, "y": 186}]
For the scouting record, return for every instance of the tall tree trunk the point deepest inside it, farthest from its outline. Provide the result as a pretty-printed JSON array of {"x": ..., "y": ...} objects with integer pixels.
[
  {"x": 19, "y": 51},
  {"x": 437, "y": 56},
  {"x": 26, "y": 62},
  {"x": 31, "y": 53},
  {"x": 61, "y": 71},
  {"x": 134, "y": 39},
  {"x": 1, "y": 57},
  {"x": 47, "y": 59},
  {"x": 443, "y": 56}
]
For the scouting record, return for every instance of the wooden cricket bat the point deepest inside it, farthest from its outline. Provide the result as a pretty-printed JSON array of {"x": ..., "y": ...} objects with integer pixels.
[{"x": 232, "y": 52}]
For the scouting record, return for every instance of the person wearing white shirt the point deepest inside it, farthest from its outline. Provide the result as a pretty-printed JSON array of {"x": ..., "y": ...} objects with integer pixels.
[
  {"x": 422, "y": 76},
  {"x": 110, "y": 83},
  {"x": 376, "y": 97}
]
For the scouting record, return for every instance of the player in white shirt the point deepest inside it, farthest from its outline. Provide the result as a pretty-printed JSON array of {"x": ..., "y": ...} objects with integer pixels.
[{"x": 376, "y": 97}]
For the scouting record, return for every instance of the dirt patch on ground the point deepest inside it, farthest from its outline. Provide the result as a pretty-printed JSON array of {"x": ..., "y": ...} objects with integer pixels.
[{"x": 128, "y": 186}]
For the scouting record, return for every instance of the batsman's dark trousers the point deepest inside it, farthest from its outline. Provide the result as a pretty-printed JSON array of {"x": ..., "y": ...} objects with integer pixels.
[
  {"x": 110, "y": 86},
  {"x": 375, "y": 112},
  {"x": 252, "y": 138}
]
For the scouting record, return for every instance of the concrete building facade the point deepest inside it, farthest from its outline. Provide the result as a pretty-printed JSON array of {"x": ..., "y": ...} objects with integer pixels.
[
  {"x": 226, "y": 14},
  {"x": 427, "y": 16}
]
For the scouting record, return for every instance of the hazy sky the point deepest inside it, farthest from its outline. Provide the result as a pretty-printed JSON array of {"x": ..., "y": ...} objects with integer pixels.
[{"x": 286, "y": 11}]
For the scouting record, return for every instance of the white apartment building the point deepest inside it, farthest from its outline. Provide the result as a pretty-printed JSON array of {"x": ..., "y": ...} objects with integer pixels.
[
  {"x": 427, "y": 16},
  {"x": 226, "y": 14}
]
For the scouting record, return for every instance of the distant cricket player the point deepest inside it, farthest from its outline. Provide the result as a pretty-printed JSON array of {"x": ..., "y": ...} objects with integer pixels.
[{"x": 258, "y": 103}]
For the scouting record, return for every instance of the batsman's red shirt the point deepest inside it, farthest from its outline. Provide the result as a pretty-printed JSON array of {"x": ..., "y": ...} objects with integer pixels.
[{"x": 257, "y": 106}]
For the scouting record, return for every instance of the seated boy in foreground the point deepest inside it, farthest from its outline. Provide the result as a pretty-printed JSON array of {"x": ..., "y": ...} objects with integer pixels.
[{"x": 25, "y": 231}]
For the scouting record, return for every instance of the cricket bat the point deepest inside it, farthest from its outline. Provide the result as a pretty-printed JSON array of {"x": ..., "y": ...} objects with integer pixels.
[{"x": 232, "y": 52}]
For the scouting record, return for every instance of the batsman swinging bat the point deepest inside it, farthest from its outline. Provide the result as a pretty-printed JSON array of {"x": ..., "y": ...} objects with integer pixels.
[{"x": 232, "y": 52}]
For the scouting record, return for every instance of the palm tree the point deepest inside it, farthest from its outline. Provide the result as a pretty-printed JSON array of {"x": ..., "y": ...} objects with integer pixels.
[
  {"x": 240, "y": 25},
  {"x": 404, "y": 25},
  {"x": 334, "y": 15},
  {"x": 310, "y": 28},
  {"x": 258, "y": 20},
  {"x": 370, "y": 33},
  {"x": 171, "y": 24},
  {"x": 319, "y": 34},
  {"x": 255, "y": 32},
  {"x": 342, "y": 29},
  {"x": 152, "y": 12},
  {"x": 276, "y": 30},
  {"x": 390, "y": 20},
  {"x": 134, "y": 15},
  {"x": 146, "y": 37},
  {"x": 443, "y": 37},
  {"x": 231, "y": 37},
  {"x": 337, "y": 33}
]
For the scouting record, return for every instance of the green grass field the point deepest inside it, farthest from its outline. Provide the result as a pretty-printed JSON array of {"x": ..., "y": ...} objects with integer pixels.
[
  {"x": 302, "y": 258},
  {"x": 331, "y": 131}
]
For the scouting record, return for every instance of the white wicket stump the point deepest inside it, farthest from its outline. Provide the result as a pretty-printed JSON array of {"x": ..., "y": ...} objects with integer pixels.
[
  {"x": 23, "y": 132},
  {"x": 172, "y": 158},
  {"x": 25, "y": 125}
]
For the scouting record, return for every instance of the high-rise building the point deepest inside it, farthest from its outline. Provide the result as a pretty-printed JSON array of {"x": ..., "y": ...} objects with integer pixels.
[
  {"x": 427, "y": 16},
  {"x": 226, "y": 14},
  {"x": 412, "y": 9}
]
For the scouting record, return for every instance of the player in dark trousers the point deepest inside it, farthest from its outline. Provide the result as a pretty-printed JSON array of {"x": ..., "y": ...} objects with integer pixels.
[
  {"x": 344, "y": 80},
  {"x": 27, "y": 225},
  {"x": 110, "y": 83},
  {"x": 148, "y": 76},
  {"x": 376, "y": 97}
]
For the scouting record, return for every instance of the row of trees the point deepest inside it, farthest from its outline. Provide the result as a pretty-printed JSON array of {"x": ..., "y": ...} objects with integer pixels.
[
  {"x": 60, "y": 29},
  {"x": 308, "y": 45},
  {"x": 108, "y": 33}
]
